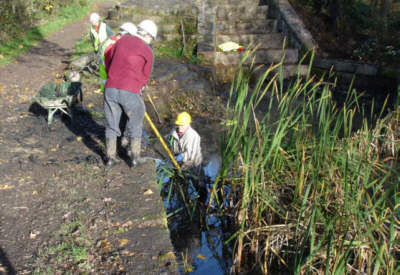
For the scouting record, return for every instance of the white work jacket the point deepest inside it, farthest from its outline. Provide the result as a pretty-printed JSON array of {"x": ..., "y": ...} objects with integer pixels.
[
  {"x": 188, "y": 145},
  {"x": 99, "y": 36}
]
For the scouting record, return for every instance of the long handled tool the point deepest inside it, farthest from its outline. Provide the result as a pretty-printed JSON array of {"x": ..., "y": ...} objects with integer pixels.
[
  {"x": 163, "y": 143},
  {"x": 154, "y": 107}
]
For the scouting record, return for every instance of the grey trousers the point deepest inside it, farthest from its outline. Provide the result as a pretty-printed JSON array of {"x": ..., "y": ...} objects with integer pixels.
[{"x": 116, "y": 100}]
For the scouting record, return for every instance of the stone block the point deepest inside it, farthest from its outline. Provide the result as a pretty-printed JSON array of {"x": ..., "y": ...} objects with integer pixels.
[
  {"x": 241, "y": 13},
  {"x": 264, "y": 41},
  {"x": 242, "y": 26},
  {"x": 260, "y": 57}
]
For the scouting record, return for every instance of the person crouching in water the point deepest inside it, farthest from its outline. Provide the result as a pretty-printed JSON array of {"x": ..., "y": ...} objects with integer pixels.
[
  {"x": 185, "y": 143},
  {"x": 128, "y": 65}
]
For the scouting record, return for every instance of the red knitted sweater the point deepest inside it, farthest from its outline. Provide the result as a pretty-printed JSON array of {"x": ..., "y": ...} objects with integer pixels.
[{"x": 128, "y": 64}]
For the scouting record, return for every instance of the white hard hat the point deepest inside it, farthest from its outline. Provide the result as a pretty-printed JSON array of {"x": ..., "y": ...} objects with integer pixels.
[
  {"x": 148, "y": 27},
  {"x": 94, "y": 17},
  {"x": 128, "y": 27},
  {"x": 73, "y": 76}
]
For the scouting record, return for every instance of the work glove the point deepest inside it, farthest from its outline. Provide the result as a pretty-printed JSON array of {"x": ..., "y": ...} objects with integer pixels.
[{"x": 179, "y": 157}]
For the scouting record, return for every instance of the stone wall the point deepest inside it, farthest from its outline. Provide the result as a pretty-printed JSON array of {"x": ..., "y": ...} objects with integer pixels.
[
  {"x": 375, "y": 80},
  {"x": 290, "y": 24},
  {"x": 169, "y": 15},
  {"x": 206, "y": 30},
  {"x": 368, "y": 77}
]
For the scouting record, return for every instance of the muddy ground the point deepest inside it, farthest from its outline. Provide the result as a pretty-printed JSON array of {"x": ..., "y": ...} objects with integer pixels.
[{"x": 60, "y": 211}]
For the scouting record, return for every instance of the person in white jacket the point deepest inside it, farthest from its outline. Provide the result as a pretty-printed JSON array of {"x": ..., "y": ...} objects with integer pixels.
[
  {"x": 99, "y": 31},
  {"x": 185, "y": 143}
]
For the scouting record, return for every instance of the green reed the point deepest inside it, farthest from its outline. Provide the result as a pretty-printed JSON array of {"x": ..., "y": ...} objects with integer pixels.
[{"x": 310, "y": 190}]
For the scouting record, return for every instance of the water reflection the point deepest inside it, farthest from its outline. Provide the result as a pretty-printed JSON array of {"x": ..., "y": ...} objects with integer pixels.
[{"x": 198, "y": 238}]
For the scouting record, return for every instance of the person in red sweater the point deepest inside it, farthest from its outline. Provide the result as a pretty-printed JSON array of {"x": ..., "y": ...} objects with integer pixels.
[{"x": 128, "y": 64}]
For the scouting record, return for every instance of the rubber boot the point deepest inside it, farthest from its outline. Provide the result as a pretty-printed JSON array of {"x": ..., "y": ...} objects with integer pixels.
[
  {"x": 135, "y": 152},
  {"x": 111, "y": 152}
]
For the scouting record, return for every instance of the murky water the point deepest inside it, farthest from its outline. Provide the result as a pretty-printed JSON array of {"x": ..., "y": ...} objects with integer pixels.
[{"x": 198, "y": 236}]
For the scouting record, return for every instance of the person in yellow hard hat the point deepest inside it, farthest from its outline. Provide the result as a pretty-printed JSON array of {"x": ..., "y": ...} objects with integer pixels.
[{"x": 185, "y": 143}]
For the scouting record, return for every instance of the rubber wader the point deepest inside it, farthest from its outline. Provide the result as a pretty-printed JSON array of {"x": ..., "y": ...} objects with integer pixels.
[
  {"x": 135, "y": 152},
  {"x": 111, "y": 152}
]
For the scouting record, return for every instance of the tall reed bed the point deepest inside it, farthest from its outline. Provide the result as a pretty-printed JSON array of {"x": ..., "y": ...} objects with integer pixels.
[{"x": 310, "y": 193}]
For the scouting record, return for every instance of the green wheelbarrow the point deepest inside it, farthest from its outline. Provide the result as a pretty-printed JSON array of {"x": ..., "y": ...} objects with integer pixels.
[{"x": 59, "y": 97}]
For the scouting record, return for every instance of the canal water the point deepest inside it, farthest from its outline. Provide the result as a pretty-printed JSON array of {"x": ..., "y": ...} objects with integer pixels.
[{"x": 198, "y": 236}]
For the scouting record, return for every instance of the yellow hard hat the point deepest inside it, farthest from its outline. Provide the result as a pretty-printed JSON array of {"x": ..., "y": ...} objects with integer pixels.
[{"x": 183, "y": 119}]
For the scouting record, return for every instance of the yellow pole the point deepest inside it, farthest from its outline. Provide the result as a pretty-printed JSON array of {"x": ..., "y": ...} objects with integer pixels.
[
  {"x": 162, "y": 142},
  {"x": 154, "y": 107}
]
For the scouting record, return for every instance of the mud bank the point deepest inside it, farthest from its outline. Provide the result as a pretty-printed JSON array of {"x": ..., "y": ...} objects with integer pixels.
[{"x": 60, "y": 210}]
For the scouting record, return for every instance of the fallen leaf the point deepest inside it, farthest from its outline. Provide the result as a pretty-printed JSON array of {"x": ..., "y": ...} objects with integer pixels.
[
  {"x": 98, "y": 91},
  {"x": 1, "y": 88},
  {"x": 155, "y": 97},
  {"x": 20, "y": 46},
  {"x": 201, "y": 257},
  {"x": 5, "y": 187},
  {"x": 107, "y": 199},
  {"x": 148, "y": 192},
  {"x": 123, "y": 242},
  {"x": 33, "y": 234},
  {"x": 53, "y": 149},
  {"x": 34, "y": 192},
  {"x": 127, "y": 224},
  {"x": 126, "y": 252},
  {"x": 188, "y": 269},
  {"x": 101, "y": 243},
  {"x": 90, "y": 105},
  {"x": 79, "y": 138},
  {"x": 67, "y": 215},
  {"x": 115, "y": 224},
  {"x": 105, "y": 245}
]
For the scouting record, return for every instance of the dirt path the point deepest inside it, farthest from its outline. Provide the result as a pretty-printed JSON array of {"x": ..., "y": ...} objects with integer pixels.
[
  {"x": 59, "y": 210},
  {"x": 21, "y": 79}
]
